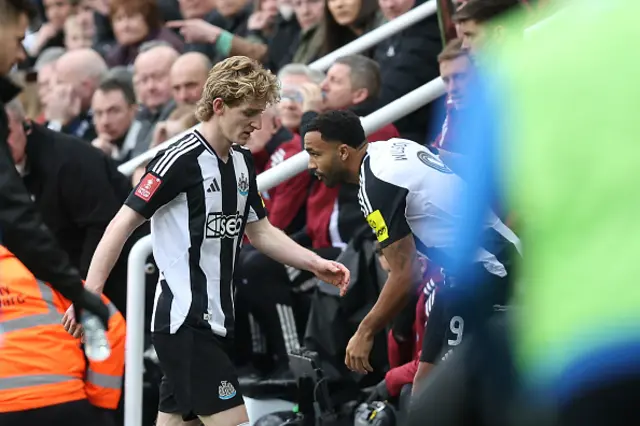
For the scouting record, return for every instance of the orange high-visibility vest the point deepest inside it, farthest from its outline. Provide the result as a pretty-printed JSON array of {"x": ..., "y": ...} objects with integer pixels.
[{"x": 40, "y": 363}]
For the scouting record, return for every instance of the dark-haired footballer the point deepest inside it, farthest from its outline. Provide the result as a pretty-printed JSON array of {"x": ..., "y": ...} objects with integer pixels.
[{"x": 411, "y": 200}]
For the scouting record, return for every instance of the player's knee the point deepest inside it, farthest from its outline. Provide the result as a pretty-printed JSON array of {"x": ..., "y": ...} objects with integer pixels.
[
  {"x": 236, "y": 416},
  {"x": 167, "y": 419}
]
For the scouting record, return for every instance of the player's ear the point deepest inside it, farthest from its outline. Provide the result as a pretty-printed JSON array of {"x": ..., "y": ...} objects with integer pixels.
[
  {"x": 218, "y": 106},
  {"x": 499, "y": 33},
  {"x": 343, "y": 152}
]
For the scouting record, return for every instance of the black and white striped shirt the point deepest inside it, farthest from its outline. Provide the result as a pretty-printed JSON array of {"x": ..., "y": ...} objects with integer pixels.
[{"x": 199, "y": 207}]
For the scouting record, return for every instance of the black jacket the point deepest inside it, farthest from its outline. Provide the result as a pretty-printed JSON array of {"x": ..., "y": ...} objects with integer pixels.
[
  {"x": 408, "y": 60},
  {"x": 21, "y": 228},
  {"x": 283, "y": 44},
  {"x": 77, "y": 190}
]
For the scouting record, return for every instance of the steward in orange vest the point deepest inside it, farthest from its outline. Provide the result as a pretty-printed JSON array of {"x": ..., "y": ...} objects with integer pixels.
[{"x": 42, "y": 367}]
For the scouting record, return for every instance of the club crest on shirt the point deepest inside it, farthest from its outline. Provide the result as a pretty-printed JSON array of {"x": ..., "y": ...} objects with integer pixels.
[
  {"x": 379, "y": 226},
  {"x": 226, "y": 390},
  {"x": 147, "y": 186},
  {"x": 243, "y": 185}
]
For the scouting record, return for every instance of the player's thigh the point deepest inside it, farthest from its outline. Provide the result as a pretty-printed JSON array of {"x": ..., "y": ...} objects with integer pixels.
[
  {"x": 213, "y": 379},
  {"x": 166, "y": 419},
  {"x": 435, "y": 331},
  {"x": 232, "y": 417},
  {"x": 421, "y": 373}
]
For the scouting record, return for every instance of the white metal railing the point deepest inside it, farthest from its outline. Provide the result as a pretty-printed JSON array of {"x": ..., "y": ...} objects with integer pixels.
[
  {"x": 361, "y": 44},
  {"x": 267, "y": 180}
]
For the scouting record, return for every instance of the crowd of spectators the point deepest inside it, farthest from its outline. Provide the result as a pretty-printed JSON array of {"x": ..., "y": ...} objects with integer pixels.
[{"x": 125, "y": 75}]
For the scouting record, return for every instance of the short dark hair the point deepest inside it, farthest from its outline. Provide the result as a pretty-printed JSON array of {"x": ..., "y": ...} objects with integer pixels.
[
  {"x": 482, "y": 11},
  {"x": 12, "y": 9},
  {"x": 116, "y": 84},
  {"x": 338, "y": 126},
  {"x": 365, "y": 73}
]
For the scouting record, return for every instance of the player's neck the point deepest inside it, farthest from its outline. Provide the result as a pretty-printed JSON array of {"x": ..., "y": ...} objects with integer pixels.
[
  {"x": 216, "y": 140},
  {"x": 353, "y": 166}
]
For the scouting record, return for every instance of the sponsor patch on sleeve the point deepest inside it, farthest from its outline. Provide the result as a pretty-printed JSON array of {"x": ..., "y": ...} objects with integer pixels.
[
  {"x": 379, "y": 226},
  {"x": 148, "y": 186}
]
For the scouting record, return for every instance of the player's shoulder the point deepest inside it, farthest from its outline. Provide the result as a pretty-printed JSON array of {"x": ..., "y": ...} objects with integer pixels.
[
  {"x": 174, "y": 156},
  {"x": 393, "y": 161},
  {"x": 245, "y": 153}
]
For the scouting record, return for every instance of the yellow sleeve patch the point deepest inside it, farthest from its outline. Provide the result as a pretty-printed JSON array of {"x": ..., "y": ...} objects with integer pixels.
[{"x": 379, "y": 226}]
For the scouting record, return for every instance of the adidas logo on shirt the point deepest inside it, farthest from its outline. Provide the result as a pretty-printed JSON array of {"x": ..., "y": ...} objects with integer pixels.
[{"x": 213, "y": 187}]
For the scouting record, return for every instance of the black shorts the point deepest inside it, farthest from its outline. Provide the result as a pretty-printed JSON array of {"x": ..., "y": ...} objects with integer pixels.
[
  {"x": 74, "y": 413},
  {"x": 199, "y": 377},
  {"x": 459, "y": 309}
]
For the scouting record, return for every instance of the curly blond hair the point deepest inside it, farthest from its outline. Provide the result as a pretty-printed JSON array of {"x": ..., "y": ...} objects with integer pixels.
[{"x": 236, "y": 80}]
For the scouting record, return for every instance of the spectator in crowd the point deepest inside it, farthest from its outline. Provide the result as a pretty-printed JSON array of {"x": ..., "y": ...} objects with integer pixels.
[
  {"x": 135, "y": 22},
  {"x": 75, "y": 37},
  {"x": 114, "y": 110},
  {"x": 455, "y": 70},
  {"x": 279, "y": 48},
  {"x": 68, "y": 102},
  {"x": 197, "y": 9},
  {"x": 181, "y": 119},
  {"x": 212, "y": 33},
  {"x": 45, "y": 69},
  {"x": 76, "y": 189},
  {"x": 267, "y": 139},
  {"x": 306, "y": 47},
  {"x": 292, "y": 77},
  {"x": 93, "y": 16},
  {"x": 407, "y": 61},
  {"x": 188, "y": 75},
  {"x": 352, "y": 82},
  {"x": 346, "y": 20},
  {"x": 477, "y": 25},
  {"x": 152, "y": 83},
  {"x": 260, "y": 25},
  {"x": 121, "y": 73},
  {"x": 51, "y": 33},
  {"x": 286, "y": 29},
  {"x": 286, "y": 202}
]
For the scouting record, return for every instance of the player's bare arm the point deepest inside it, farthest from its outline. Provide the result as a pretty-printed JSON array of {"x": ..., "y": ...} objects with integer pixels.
[
  {"x": 405, "y": 272},
  {"x": 277, "y": 245},
  {"x": 110, "y": 246},
  {"x": 105, "y": 257}
]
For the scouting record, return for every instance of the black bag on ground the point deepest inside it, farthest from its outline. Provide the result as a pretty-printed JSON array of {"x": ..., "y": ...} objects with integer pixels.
[{"x": 333, "y": 319}]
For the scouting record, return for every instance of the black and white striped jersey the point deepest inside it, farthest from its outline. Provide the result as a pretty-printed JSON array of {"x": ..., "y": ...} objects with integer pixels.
[
  {"x": 405, "y": 188},
  {"x": 199, "y": 207}
]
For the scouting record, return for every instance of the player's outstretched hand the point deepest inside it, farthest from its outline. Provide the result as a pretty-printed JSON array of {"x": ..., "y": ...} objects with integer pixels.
[
  {"x": 358, "y": 352},
  {"x": 334, "y": 273}
]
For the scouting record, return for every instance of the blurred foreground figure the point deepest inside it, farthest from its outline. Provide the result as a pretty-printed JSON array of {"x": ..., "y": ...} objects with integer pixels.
[
  {"x": 571, "y": 175},
  {"x": 578, "y": 337},
  {"x": 44, "y": 376},
  {"x": 21, "y": 228}
]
